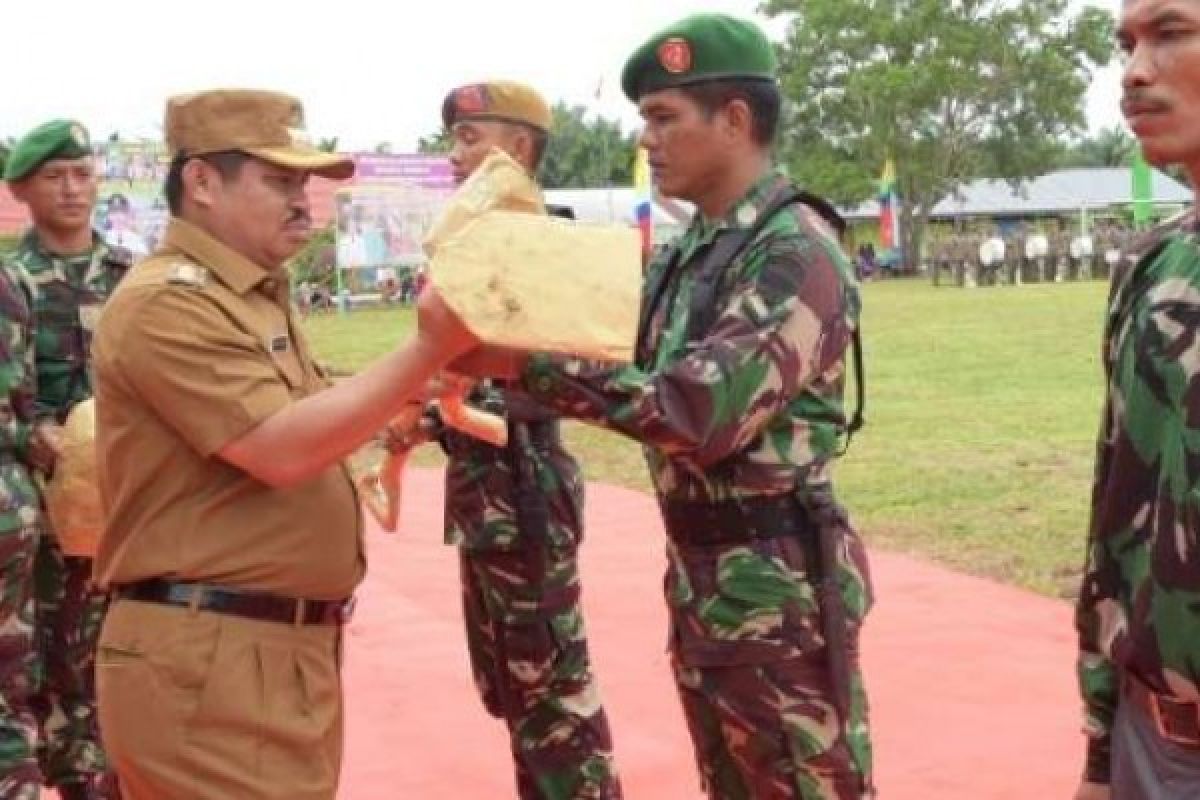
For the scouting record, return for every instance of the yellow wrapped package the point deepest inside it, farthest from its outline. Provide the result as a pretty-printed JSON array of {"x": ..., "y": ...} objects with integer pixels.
[
  {"x": 498, "y": 184},
  {"x": 533, "y": 282},
  {"x": 73, "y": 494}
]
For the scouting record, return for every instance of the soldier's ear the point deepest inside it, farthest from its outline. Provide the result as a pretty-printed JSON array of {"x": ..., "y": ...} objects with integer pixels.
[
  {"x": 522, "y": 146},
  {"x": 739, "y": 118},
  {"x": 18, "y": 191},
  {"x": 199, "y": 182}
]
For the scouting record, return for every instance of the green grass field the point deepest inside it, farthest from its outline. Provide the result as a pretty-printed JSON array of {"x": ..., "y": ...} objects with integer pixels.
[{"x": 982, "y": 410}]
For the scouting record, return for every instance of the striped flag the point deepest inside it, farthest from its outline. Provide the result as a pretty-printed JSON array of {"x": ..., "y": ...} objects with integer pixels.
[
  {"x": 644, "y": 208},
  {"x": 889, "y": 220}
]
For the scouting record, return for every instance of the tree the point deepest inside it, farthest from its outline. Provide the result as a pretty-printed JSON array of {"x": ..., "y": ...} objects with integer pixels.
[
  {"x": 435, "y": 143},
  {"x": 587, "y": 153},
  {"x": 1110, "y": 147},
  {"x": 582, "y": 153},
  {"x": 950, "y": 89},
  {"x": 328, "y": 144}
]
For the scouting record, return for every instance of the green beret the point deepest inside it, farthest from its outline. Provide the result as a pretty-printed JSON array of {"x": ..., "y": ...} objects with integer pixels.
[
  {"x": 702, "y": 47},
  {"x": 59, "y": 138}
]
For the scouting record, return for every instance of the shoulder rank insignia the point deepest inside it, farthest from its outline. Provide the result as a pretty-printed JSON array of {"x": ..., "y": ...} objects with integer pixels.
[
  {"x": 186, "y": 273},
  {"x": 119, "y": 257}
]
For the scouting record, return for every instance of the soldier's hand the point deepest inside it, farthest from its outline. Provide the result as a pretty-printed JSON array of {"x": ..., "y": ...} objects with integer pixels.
[
  {"x": 45, "y": 446},
  {"x": 1093, "y": 791},
  {"x": 491, "y": 361},
  {"x": 439, "y": 328}
]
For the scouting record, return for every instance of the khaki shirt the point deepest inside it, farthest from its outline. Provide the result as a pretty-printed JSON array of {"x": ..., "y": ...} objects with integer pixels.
[{"x": 195, "y": 348}]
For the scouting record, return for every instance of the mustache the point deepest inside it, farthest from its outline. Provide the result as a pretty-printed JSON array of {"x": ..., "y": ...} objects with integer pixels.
[
  {"x": 300, "y": 216},
  {"x": 1142, "y": 101}
]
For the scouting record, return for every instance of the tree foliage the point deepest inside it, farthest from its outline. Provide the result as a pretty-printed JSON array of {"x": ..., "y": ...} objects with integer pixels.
[
  {"x": 951, "y": 90},
  {"x": 587, "y": 152},
  {"x": 1111, "y": 147},
  {"x": 435, "y": 143}
]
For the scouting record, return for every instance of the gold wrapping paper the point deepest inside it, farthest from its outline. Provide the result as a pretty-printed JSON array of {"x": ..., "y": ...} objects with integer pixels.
[
  {"x": 539, "y": 283},
  {"x": 73, "y": 494},
  {"x": 524, "y": 280}
]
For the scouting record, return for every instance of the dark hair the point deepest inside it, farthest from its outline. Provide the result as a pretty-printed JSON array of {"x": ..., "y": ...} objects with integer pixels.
[
  {"x": 761, "y": 96},
  {"x": 227, "y": 163}
]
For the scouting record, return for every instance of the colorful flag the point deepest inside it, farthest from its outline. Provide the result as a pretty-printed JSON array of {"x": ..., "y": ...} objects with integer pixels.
[
  {"x": 889, "y": 221},
  {"x": 1143, "y": 189},
  {"x": 643, "y": 203}
]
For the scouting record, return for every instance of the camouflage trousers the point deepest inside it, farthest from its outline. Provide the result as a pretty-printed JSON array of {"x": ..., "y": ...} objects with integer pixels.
[
  {"x": 20, "y": 777},
  {"x": 771, "y": 732},
  {"x": 529, "y": 658},
  {"x": 69, "y": 616}
]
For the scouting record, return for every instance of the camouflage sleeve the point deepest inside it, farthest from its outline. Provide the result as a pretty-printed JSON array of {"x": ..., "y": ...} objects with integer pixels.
[
  {"x": 784, "y": 322},
  {"x": 18, "y": 386},
  {"x": 1098, "y": 683},
  {"x": 1097, "y": 674}
]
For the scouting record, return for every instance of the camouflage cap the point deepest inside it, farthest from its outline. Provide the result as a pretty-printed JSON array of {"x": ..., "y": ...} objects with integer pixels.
[
  {"x": 699, "y": 48},
  {"x": 508, "y": 101},
  {"x": 266, "y": 125},
  {"x": 59, "y": 138}
]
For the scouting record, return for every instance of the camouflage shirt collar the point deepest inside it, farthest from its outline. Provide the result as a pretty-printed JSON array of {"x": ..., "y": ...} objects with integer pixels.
[
  {"x": 744, "y": 213},
  {"x": 232, "y": 268},
  {"x": 32, "y": 243}
]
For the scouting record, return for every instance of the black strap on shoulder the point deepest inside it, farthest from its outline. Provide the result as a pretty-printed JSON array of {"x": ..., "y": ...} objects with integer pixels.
[
  {"x": 729, "y": 245},
  {"x": 856, "y": 421}
]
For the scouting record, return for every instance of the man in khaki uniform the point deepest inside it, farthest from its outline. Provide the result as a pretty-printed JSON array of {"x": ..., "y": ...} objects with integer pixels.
[{"x": 233, "y": 541}]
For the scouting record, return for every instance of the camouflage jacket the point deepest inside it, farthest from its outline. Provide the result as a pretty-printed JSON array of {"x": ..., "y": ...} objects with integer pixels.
[
  {"x": 484, "y": 483},
  {"x": 1137, "y": 612},
  {"x": 68, "y": 295},
  {"x": 19, "y": 501},
  {"x": 751, "y": 407}
]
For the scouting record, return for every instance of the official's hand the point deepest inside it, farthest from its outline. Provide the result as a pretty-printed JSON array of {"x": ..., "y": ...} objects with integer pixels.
[
  {"x": 1093, "y": 791},
  {"x": 491, "y": 361},
  {"x": 440, "y": 329},
  {"x": 45, "y": 446}
]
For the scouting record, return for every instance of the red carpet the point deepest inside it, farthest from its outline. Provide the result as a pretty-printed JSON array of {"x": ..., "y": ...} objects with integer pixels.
[{"x": 971, "y": 682}]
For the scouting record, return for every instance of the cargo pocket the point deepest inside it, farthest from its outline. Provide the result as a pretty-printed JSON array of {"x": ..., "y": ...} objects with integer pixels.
[{"x": 742, "y": 604}]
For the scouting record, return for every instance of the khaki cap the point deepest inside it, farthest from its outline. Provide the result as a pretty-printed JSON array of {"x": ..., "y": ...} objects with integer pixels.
[
  {"x": 507, "y": 101},
  {"x": 266, "y": 125}
]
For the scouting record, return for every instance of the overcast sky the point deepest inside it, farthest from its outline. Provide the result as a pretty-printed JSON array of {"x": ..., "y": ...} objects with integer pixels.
[{"x": 367, "y": 71}]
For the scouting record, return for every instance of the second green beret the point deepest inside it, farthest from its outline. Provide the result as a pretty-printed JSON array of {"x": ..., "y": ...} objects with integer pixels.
[
  {"x": 702, "y": 47},
  {"x": 59, "y": 138}
]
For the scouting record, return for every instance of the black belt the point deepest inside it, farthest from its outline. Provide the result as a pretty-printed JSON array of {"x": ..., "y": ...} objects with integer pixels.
[
  {"x": 1177, "y": 721},
  {"x": 239, "y": 602},
  {"x": 735, "y": 520}
]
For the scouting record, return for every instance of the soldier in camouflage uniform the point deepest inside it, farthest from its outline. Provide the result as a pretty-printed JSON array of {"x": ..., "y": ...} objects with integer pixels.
[
  {"x": 20, "y": 531},
  {"x": 71, "y": 272},
  {"x": 736, "y": 394},
  {"x": 1138, "y": 614},
  {"x": 516, "y": 514}
]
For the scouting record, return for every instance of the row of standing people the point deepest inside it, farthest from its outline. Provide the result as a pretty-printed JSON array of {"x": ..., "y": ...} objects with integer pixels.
[{"x": 977, "y": 258}]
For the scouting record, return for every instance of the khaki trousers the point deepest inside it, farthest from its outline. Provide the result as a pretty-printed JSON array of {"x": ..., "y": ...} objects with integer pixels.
[{"x": 196, "y": 705}]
